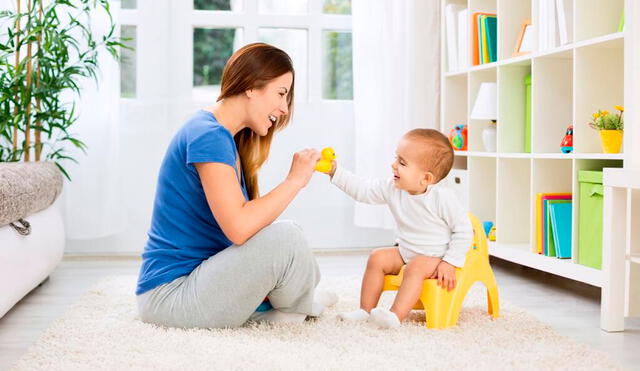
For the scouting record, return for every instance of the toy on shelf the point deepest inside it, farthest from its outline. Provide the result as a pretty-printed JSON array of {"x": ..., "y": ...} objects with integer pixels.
[
  {"x": 325, "y": 163},
  {"x": 489, "y": 230},
  {"x": 458, "y": 137},
  {"x": 487, "y": 227},
  {"x": 567, "y": 142}
]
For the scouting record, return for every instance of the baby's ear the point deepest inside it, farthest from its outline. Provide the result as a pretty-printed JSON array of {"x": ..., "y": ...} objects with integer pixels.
[{"x": 429, "y": 177}]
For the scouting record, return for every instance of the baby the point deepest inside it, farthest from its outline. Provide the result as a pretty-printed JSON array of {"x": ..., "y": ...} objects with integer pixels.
[{"x": 434, "y": 231}]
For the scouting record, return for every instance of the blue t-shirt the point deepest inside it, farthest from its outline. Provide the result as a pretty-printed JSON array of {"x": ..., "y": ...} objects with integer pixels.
[{"x": 183, "y": 230}]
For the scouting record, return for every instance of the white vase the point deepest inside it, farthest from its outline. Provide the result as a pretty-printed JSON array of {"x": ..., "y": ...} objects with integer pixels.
[{"x": 489, "y": 138}]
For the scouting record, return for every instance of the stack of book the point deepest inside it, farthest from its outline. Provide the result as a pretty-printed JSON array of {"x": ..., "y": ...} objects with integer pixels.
[
  {"x": 485, "y": 38},
  {"x": 553, "y": 224},
  {"x": 457, "y": 26},
  {"x": 555, "y": 23}
]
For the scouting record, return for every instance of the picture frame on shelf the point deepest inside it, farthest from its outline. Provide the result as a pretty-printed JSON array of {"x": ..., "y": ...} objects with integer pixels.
[{"x": 524, "y": 45}]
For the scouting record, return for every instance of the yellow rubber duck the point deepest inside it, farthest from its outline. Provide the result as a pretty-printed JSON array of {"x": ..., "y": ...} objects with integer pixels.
[{"x": 324, "y": 165}]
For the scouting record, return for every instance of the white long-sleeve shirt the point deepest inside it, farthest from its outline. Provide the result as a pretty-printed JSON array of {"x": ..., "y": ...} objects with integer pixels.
[{"x": 433, "y": 223}]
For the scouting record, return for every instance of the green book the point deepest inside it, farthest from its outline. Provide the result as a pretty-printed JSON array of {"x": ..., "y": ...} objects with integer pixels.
[
  {"x": 527, "y": 115},
  {"x": 551, "y": 248},
  {"x": 621, "y": 23}
]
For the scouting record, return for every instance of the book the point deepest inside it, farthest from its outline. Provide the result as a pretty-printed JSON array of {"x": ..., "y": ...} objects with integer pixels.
[
  {"x": 457, "y": 37},
  {"x": 552, "y": 34},
  {"x": 463, "y": 38},
  {"x": 527, "y": 112},
  {"x": 565, "y": 24},
  {"x": 475, "y": 37},
  {"x": 621, "y": 23},
  {"x": 541, "y": 214},
  {"x": 541, "y": 25},
  {"x": 484, "y": 56},
  {"x": 549, "y": 242},
  {"x": 452, "y": 38},
  {"x": 492, "y": 37},
  {"x": 560, "y": 214}
]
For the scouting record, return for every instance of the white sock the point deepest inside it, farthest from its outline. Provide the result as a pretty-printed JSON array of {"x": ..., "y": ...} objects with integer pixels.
[
  {"x": 321, "y": 301},
  {"x": 355, "y": 316},
  {"x": 326, "y": 298},
  {"x": 317, "y": 309},
  {"x": 384, "y": 318},
  {"x": 277, "y": 316}
]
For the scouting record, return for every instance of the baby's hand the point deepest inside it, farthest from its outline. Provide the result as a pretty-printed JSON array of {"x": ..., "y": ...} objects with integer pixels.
[
  {"x": 446, "y": 275},
  {"x": 334, "y": 166}
]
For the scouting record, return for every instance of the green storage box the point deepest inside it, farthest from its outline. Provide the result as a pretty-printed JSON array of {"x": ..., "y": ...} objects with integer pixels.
[
  {"x": 527, "y": 115},
  {"x": 590, "y": 219}
]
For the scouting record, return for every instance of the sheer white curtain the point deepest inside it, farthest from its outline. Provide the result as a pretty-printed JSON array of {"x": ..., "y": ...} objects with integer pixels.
[
  {"x": 93, "y": 206},
  {"x": 396, "y": 83}
]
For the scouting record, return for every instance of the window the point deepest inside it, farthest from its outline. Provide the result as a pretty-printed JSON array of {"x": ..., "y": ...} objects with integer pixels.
[
  {"x": 317, "y": 38},
  {"x": 129, "y": 4},
  {"x": 293, "y": 42},
  {"x": 128, "y": 62},
  {"x": 337, "y": 7},
  {"x": 337, "y": 71},
  {"x": 212, "y": 47},
  {"x": 221, "y": 5}
]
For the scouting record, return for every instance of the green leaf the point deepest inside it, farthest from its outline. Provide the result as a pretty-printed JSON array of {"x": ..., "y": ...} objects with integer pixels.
[
  {"x": 68, "y": 53},
  {"x": 64, "y": 172}
]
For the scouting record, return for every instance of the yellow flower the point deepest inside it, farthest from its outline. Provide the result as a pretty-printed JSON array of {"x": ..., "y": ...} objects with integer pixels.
[
  {"x": 596, "y": 115},
  {"x": 619, "y": 108},
  {"x": 604, "y": 113}
]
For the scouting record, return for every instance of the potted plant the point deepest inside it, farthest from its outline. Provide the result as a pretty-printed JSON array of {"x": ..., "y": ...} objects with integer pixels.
[
  {"x": 46, "y": 48},
  {"x": 611, "y": 128}
]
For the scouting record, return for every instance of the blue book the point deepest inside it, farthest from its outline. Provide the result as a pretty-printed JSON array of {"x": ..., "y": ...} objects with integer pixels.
[
  {"x": 491, "y": 24},
  {"x": 550, "y": 246},
  {"x": 480, "y": 50},
  {"x": 561, "y": 228},
  {"x": 548, "y": 234}
]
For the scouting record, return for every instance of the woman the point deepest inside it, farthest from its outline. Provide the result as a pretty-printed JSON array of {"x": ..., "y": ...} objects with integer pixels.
[{"x": 213, "y": 254}]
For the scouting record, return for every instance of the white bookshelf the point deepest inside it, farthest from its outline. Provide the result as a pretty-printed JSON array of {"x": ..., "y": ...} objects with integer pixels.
[{"x": 569, "y": 83}]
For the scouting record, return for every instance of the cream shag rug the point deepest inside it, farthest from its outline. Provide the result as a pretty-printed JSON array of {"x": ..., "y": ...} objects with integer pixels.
[{"x": 102, "y": 332}]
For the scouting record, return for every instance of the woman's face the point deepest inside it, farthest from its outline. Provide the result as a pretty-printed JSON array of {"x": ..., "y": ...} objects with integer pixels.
[{"x": 268, "y": 104}]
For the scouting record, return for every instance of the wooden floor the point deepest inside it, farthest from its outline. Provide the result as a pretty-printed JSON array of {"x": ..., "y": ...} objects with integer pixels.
[{"x": 572, "y": 308}]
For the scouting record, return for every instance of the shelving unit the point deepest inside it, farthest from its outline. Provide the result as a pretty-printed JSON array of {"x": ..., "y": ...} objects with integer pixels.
[{"x": 568, "y": 84}]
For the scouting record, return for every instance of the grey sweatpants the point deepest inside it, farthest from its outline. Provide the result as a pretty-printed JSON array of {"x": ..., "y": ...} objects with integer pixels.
[{"x": 226, "y": 289}]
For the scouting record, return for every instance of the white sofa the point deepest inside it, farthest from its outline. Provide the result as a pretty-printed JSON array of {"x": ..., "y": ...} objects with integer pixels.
[{"x": 28, "y": 192}]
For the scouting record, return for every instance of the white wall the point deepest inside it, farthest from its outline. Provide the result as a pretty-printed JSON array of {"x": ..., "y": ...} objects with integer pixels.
[{"x": 164, "y": 101}]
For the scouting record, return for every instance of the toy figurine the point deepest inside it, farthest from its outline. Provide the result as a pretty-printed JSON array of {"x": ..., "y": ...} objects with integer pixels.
[
  {"x": 324, "y": 165},
  {"x": 567, "y": 142},
  {"x": 492, "y": 233},
  {"x": 458, "y": 137},
  {"x": 487, "y": 227}
]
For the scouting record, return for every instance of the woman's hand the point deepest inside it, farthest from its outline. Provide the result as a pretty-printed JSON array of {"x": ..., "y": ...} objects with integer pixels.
[{"x": 302, "y": 166}]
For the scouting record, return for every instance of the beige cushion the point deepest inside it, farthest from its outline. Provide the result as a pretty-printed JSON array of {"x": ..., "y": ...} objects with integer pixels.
[{"x": 26, "y": 188}]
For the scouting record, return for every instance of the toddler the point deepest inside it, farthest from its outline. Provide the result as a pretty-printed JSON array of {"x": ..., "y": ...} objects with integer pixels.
[{"x": 434, "y": 231}]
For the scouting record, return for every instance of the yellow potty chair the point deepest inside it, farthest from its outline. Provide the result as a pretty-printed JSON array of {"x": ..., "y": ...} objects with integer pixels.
[{"x": 442, "y": 307}]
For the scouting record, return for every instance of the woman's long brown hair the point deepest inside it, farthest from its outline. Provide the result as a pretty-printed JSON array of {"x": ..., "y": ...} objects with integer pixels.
[{"x": 252, "y": 67}]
